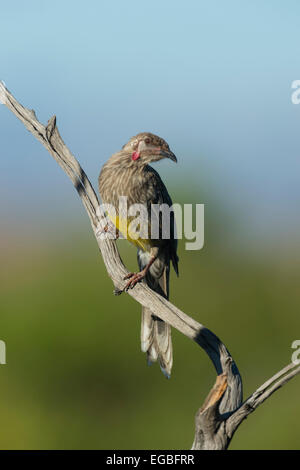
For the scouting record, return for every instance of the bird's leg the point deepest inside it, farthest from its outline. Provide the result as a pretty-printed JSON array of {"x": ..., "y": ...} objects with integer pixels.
[{"x": 134, "y": 278}]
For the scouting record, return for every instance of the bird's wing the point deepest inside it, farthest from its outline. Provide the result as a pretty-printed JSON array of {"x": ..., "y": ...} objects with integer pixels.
[{"x": 157, "y": 194}]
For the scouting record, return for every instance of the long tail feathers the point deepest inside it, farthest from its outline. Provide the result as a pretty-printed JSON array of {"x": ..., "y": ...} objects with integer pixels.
[
  {"x": 147, "y": 335},
  {"x": 155, "y": 333},
  {"x": 156, "y": 341}
]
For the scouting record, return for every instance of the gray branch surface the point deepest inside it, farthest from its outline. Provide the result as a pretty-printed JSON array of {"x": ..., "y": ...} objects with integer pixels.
[{"x": 224, "y": 410}]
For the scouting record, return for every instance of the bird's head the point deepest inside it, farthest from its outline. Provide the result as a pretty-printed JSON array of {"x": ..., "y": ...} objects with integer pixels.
[{"x": 146, "y": 148}]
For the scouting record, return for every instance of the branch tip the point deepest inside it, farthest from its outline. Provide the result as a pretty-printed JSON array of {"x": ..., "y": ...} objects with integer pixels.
[
  {"x": 3, "y": 92},
  {"x": 51, "y": 127}
]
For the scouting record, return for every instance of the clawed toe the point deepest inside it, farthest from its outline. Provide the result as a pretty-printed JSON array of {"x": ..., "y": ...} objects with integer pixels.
[
  {"x": 128, "y": 276},
  {"x": 134, "y": 278}
]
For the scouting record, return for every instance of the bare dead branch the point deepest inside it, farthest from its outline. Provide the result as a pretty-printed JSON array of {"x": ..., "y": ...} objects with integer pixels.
[
  {"x": 260, "y": 395},
  {"x": 223, "y": 410}
]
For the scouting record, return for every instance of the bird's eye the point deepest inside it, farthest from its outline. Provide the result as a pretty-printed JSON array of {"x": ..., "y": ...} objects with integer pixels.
[{"x": 147, "y": 141}]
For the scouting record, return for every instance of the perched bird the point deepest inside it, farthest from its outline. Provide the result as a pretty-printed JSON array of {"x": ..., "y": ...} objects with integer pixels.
[{"x": 127, "y": 173}]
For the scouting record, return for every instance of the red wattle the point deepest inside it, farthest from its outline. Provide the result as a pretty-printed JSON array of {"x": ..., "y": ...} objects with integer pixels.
[{"x": 135, "y": 155}]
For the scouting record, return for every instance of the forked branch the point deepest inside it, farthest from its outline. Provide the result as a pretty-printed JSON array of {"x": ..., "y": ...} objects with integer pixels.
[{"x": 223, "y": 410}]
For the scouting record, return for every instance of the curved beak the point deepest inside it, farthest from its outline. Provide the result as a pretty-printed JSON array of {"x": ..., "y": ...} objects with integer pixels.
[{"x": 170, "y": 155}]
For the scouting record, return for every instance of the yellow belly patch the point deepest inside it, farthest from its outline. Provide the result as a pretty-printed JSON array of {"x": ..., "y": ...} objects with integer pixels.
[{"x": 123, "y": 225}]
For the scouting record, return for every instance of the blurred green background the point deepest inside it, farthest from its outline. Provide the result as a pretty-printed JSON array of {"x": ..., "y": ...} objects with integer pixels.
[
  {"x": 214, "y": 79},
  {"x": 75, "y": 376}
]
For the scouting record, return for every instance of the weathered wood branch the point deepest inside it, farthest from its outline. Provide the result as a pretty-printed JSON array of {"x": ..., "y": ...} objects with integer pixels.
[
  {"x": 223, "y": 411},
  {"x": 260, "y": 395}
]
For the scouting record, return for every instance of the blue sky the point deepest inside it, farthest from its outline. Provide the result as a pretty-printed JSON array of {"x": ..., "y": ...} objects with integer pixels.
[{"x": 211, "y": 77}]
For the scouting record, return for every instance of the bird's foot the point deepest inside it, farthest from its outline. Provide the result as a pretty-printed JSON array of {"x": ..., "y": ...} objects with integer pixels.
[{"x": 134, "y": 278}]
